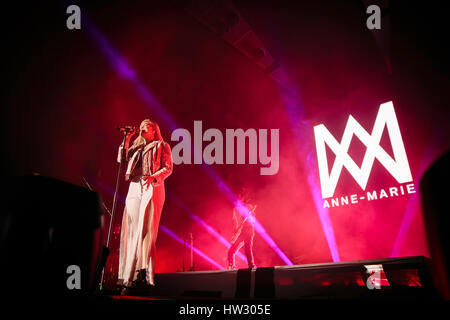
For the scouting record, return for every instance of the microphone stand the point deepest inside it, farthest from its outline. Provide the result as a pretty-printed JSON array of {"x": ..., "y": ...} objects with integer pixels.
[
  {"x": 192, "y": 252},
  {"x": 113, "y": 211},
  {"x": 90, "y": 188},
  {"x": 184, "y": 253}
]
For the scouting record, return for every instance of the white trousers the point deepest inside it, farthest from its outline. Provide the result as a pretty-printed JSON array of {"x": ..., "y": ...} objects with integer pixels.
[{"x": 138, "y": 210}]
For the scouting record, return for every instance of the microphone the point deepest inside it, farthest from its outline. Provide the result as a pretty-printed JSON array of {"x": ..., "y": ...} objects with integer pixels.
[{"x": 127, "y": 128}]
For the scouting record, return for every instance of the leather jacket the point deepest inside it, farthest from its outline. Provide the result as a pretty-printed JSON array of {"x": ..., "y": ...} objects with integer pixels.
[{"x": 156, "y": 160}]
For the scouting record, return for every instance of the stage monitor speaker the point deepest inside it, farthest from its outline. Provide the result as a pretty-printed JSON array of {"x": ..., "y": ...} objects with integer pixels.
[
  {"x": 243, "y": 283},
  {"x": 50, "y": 237},
  {"x": 264, "y": 283},
  {"x": 434, "y": 189}
]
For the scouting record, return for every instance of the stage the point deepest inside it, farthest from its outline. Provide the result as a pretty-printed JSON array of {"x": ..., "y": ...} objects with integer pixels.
[
  {"x": 146, "y": 138},
  {"x": 406, "y": 277}
]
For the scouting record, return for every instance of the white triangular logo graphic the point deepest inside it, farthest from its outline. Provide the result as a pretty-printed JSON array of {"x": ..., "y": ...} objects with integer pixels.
[{"x": 397, "y": 167}]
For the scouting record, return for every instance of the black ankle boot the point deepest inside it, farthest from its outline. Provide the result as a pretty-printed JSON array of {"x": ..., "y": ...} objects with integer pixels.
[
  {"x": 141, "y": 276},
  {"x": 140, "y": 279}
]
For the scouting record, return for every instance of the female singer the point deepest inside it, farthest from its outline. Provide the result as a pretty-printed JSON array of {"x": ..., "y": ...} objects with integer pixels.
[{"x": 149, "y": 163}]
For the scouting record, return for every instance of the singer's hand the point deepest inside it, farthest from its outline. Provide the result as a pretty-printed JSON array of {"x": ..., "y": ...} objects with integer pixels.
[
  {"x": 130, "y": 134},
  {"x": 148, "y": 181}
]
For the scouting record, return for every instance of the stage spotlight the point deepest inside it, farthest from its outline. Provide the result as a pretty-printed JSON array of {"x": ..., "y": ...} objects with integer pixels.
[
  {"x": 231, "y": 19},
  {"x": 257, "y": 54}
]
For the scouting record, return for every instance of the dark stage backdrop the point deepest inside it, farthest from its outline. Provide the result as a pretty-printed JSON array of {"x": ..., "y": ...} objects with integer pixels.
[{"x": 67, "y": 90}]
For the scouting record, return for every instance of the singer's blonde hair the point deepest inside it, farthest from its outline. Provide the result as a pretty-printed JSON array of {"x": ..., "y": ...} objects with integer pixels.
[{"x": 140, "y": 140}]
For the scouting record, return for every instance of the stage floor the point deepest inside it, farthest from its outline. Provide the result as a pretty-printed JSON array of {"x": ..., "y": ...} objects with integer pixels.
[{"x": 404, "y": 277}]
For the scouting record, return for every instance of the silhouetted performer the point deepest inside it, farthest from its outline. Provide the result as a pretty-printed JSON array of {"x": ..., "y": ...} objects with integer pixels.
[
  {"x": 149, "y": 163},
  {"x": 243, "y": 231}
]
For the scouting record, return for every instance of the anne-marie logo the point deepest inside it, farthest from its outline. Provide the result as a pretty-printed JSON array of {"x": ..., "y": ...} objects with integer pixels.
[{"x": 398, "y": 166}]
